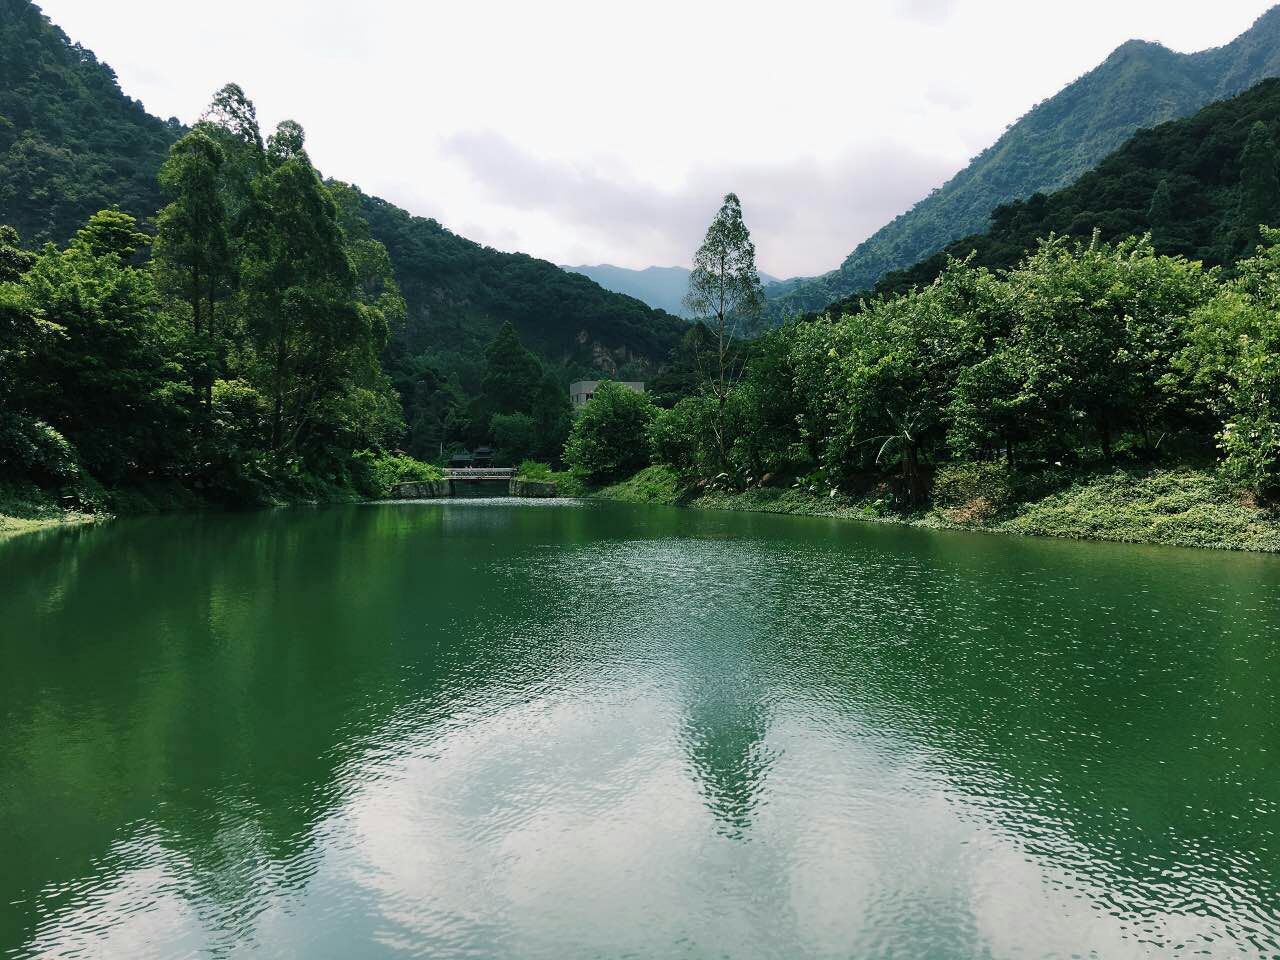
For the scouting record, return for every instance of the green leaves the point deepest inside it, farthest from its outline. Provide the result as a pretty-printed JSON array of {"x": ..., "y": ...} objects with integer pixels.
[{"x": 609, "y": 438}]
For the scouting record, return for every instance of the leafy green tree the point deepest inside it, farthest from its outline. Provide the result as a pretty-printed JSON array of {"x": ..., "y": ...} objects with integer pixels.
[
  {"x": 231, "y": 121},
  {"x": 1232, "y": 356},
  {"x": 552, "y": 416},
  {"x": 14, "y": 261},
  {"x": 994, "y": 408},
  {"x": 435, "y": 410},
  {"x": 192, "y": 248},
  {"x": 22, "y": 331},
  {"x": 30, "y": 449},
  {"x": 767, "y": 412},
  {"x": 1099, "y": 328},
  {"x": 608, "y": 439},
  {"x": 300, "y": 289},
  {"x": 106, "y": 381},
  {"x": 724, "y": 290},
  {"x": 680, "y": 438},
  {"x": 111, "y": 233},
  {"x": 516, "y": 436}
]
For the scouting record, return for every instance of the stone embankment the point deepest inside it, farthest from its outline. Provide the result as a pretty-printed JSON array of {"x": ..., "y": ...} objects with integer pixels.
[
  {"x": 531, "y": 488},
  {"x": 422, "y": 490},
  {"x": 436, "y": 489}
]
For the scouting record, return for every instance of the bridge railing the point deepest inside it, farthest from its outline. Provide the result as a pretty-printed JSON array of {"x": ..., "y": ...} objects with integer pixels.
[{"x": 479, "y": 473}]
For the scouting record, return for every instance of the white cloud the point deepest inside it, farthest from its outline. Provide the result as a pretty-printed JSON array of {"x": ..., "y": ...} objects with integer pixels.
[{"x": 588, "y": 132}]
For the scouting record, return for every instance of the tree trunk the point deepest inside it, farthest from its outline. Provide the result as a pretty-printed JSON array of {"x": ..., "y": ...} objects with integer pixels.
[{"x": 277, "y": 420}]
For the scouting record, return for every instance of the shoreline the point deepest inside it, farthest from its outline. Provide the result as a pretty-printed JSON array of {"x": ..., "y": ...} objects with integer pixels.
[
  {"x": 1173, "y": 508},
  {"x": 1178, "y": 508}
]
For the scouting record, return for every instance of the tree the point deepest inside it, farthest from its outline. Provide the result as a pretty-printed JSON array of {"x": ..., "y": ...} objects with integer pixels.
[
  {"x": 1259, "y": 186},
  {"x": 1161, "y": 214},
  {"x": 106, "y": 381},
  {"x": 111, "y": 233},
  {"x": 608, "y": 440},
  {"x": 192, "y": 250},
  {"x": 232, "y": 122},
  {"x": 1098, "y": 328},
  {"x": 29, "y": 448},
  {"x": 14, "y": 261},
  {"x": 552, "y": 417},
  {"x": 516, "y": 436},
  {"x": 724, "y": 289},
  {"x": 301, "y": 295},
  {"x": 1233, "y": 358},
  {"x": 511, "y": 375}
]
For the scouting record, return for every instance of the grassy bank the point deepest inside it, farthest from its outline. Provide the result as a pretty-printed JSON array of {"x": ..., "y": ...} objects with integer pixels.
[
  {"x": 26, "y": 507},
  {"x": 23, "y": 509},
  {"x": 1184, "y": 507}
]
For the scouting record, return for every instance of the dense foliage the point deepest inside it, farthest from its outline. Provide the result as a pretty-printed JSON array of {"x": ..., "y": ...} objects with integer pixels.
[
  {"x": 608, "y": 438},
  {"x": 1085, "y": 353},
  {"x": 1139, "y": 85},
  {"x": 460, "y": 295},
  {"x": 70, "y": 142},
  {"x": 241, "y": 359}
]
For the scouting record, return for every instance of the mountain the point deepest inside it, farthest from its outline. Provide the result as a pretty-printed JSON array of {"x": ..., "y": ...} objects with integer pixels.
[
  {"x": 662, "y": 288},
  {"x": 1185, "y": 182},
  {"x": 459, "y": 293},
  {"x": 1140, "y": 85},
  {"x": 72, "y": 143}
]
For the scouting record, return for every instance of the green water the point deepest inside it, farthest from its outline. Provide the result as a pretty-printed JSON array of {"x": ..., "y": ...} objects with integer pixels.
[{"x": 496, "y": 729}]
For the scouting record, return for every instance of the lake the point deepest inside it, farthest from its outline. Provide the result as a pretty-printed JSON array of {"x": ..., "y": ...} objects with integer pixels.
[{"x": 493, "y": 728}]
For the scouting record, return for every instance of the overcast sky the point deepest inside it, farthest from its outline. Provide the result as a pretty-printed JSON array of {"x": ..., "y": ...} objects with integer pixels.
[{"x": 603, "y": 131}]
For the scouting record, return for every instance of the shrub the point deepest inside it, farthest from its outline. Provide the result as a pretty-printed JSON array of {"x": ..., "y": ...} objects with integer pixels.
[
  {"x": 681, "y": 437},
  {"x": 375, "y": 474},
  {"x": 536, "y": 470},
  {"x": 655, "y": 484},
  {"x": 33, "y": 449},
  {"x": 981, "y": 487}
]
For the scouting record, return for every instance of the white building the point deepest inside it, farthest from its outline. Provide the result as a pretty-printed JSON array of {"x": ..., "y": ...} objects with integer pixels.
[{"x": 584, "y": 390}]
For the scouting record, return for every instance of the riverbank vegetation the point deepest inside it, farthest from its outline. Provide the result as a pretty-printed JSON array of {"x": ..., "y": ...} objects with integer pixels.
[
  {"x": 1094, "y": 390},
  {"x": 1176, "y": 507},
  {"x": 235, "y": 354}
]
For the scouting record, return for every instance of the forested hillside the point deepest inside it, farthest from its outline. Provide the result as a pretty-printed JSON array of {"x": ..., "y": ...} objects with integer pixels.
[
  {"x": 236, "y": 324},
  {"x": 74, "y": 143},
  {"x": 1200, "y": 186},
  {"x": 460, "y": 293},
  {"x": 70, "y": 142},
  {"x": 1139, "y": 85}
]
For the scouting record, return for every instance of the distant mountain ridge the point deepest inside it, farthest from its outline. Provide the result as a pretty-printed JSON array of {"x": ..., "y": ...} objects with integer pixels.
[
  {"x": 1141, "y": 84},
  {"x": 662, "y": 288},
  {"x": 1181, "y": 182}
]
